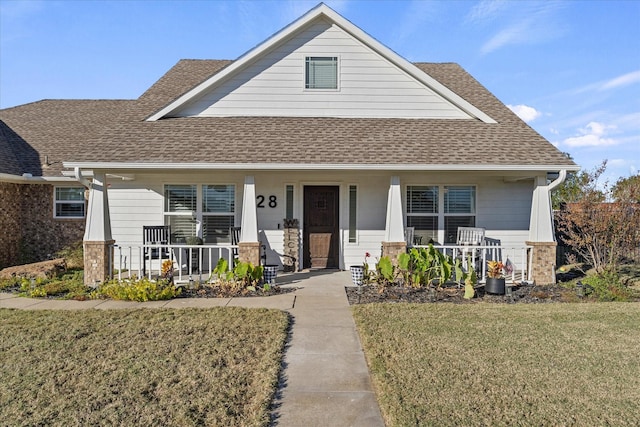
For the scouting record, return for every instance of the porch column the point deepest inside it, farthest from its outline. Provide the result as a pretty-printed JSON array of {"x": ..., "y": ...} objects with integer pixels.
[
  {"x": 249, "y": 246},
  {"x": 542, "y": 237},
  {"x": 394, "y": 242},
  {"x": 97, "y": 241}
]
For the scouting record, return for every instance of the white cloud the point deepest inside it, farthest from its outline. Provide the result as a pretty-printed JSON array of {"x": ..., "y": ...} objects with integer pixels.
[
  {"x": 485, "y": 10},
  {"x": 593, "y": 135},
  {"x": 536, "y": 22},
  {"x": 526, "y": 113},
  {"x": 623, "y": 80}
]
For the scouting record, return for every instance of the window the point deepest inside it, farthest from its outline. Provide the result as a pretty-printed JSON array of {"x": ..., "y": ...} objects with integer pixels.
[
  {"x": 69, "y": 202},
  {"x": 353, "y": 202},
  {"x": 459, "y": 210},
  {"x": 180, "y": 208},
  {"x": 422, "y": 212},
  {"x": 321, "y": 72},
  {"x": 207, "y": 213},
  {"x": 431, "y": 209},
  {"x": 218, "y": 207},
  {"x": 289, "y": 202}
]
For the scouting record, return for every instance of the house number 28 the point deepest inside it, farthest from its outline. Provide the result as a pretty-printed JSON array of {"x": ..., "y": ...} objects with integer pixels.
[{"x": 273, "y": 201}]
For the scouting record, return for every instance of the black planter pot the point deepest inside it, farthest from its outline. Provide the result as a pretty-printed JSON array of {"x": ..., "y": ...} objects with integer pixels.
[{"x": 494, "y": 285}]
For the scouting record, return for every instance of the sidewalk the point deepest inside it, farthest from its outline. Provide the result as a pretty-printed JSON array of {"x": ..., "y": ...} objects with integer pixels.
[{"x": 325, "y": 380}]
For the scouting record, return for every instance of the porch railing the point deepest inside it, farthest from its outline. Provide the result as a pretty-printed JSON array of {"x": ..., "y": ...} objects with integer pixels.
[
  {"x": 189, "y": 261},
  {"x": 515, "y": 258}
]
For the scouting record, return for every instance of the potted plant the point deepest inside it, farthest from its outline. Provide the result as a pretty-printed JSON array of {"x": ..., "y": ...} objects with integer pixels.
[
  {"x": 495, "y": 279},
  {"x": 358, "y": 271}
]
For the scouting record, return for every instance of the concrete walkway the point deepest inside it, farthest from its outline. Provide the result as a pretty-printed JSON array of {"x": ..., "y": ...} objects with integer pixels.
[{"x": 325, "y": 381}]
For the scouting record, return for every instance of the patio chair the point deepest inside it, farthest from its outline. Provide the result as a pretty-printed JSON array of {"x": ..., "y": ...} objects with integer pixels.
[
  {"x": 408, "y": 236},
  {"x": 154, "y": 235},
  {"x": 471, "y": 236},
  {"x": 234, "y": 233}
]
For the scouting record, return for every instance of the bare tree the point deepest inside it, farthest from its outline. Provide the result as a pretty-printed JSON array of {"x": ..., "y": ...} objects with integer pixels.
[{"x": 602, "y": 233}]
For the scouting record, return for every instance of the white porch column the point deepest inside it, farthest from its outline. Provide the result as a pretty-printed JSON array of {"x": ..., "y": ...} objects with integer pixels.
[
  {"x": 541, "y": 224},
  {"x": 97, "y": 241},
  {"x": 249, "y": 246},
  {"x": 98, "y": 228},
  {"x": 249, "y": 220},
  {"x": 542, "y": 237},
  {"x": 394, "y": 242},
  {"x": 394, "y": 228}
]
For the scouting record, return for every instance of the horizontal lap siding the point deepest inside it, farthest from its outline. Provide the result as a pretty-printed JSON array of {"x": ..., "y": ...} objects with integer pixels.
[{"x": 369, "y": 86}]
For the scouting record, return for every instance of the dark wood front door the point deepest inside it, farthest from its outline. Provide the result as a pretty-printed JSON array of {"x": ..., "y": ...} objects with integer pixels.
[{"x": 321, "y": 226}]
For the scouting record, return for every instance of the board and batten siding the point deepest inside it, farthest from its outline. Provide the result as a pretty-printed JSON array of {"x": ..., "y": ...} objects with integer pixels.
[{"x": 368, "y": 84}]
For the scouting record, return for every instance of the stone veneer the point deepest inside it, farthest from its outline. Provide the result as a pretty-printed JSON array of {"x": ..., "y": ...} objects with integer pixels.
[
  {"x": 393, "y": 249},
  {"x": 249, "y": 252},
  {"x": 97, "y": 261},
  {"x": 28, "y": 230},
  {"x": 543, "y": 262}
]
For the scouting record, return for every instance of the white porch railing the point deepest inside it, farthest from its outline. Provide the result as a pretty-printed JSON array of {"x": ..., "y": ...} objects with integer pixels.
[
  {"x": 188, "y": 260},
  {"x": 516, "y": 256}
]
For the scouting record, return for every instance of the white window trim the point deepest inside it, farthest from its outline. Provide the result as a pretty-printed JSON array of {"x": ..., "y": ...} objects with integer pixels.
[
  {"x": 304, "y": 72},
  {"x": 56, "y": 202},
  {"x": 441, "y": 206},
  {"x": 198, "y": 214}
]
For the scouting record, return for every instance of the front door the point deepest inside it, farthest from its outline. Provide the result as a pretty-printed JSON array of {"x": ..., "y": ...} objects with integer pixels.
[{"x": 321, "y": 227}]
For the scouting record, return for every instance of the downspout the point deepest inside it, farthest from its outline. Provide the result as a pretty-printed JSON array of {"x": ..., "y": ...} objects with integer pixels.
[{"x": 559, "y": 180}]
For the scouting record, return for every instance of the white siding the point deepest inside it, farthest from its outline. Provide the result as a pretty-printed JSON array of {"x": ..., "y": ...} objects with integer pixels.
[
  {"x": 503, "y": 208},
  {"x": 368, "y": 85}
]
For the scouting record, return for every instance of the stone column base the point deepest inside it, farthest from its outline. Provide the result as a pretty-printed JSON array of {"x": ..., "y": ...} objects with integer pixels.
[
  {"x": 393, "y": 249},
  {"x": 543, "y": 262},
  {"x": 98, "y": 261},
  {"x": 249, "y": 252}
]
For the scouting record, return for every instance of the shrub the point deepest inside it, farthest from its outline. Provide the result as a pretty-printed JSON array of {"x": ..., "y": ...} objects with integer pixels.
[
  {"x": 141, "y": 289},
  {"x": 73, "y": 255},
  {"x": 607, "y": 286}
]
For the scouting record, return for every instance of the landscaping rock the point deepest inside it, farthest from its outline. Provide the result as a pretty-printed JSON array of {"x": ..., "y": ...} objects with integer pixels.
[{"x": 44, "y": 270}]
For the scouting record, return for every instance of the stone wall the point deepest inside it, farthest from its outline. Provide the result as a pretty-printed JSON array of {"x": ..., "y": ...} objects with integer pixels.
[
  {"x": 28, "y": 230},
  {"x": 543, "y": 262},
  {"x": 393, "y": 249}
]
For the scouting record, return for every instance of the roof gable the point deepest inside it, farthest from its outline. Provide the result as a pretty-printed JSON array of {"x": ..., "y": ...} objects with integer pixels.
[{"x": 232, "y": 89}]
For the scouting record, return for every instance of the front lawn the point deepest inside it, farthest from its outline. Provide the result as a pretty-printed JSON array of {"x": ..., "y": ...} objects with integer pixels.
[
  {"x": 499, "y": 364},
  {"x": 140, "y": 367}
]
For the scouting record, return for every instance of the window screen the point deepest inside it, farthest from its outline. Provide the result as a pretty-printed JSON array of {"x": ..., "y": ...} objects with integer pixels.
[
  {"x": 69, "y": 202},
  {"x": 321, "y": 72}
]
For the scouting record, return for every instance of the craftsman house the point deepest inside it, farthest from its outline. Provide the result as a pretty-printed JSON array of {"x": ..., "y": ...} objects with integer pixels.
[{"x": 318, "y": 145}]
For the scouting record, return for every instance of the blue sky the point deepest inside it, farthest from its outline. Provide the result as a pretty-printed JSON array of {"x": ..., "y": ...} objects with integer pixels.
[{"x": 571, "y": 69}]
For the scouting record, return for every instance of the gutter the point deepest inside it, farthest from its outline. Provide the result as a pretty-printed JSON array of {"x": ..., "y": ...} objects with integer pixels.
[
  {"x": 30, "y": 179},
  {"x": 81, "y": 179},
  {"x": 313, "y": 166}
]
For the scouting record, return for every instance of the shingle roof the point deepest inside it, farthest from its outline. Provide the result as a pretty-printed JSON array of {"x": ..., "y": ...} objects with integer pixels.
[{"x": 115, "y": 131}]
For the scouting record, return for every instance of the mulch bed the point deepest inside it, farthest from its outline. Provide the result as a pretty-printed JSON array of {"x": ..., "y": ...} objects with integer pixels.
[{"x": 524, "y": 293}]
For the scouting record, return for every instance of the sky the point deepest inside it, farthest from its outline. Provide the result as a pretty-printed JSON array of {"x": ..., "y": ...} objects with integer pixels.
[{"x": 570, "y": 69}]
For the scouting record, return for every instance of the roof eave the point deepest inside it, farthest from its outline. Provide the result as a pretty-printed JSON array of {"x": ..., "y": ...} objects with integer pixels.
[{"x": 316, "y": 166}]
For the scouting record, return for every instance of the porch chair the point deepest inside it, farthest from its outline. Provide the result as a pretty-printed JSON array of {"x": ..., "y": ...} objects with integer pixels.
[
  {"x": 154, "y": 235},
  {"x": 408, "y": 236},
  {"x": 471, "y": 236},
  {"x": 234, "y": 234}
]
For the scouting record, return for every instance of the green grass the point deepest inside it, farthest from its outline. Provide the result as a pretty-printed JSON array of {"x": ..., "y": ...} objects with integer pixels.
[
  {"x": 140, "y": 367},
  {"x": 504, "y": 365}
]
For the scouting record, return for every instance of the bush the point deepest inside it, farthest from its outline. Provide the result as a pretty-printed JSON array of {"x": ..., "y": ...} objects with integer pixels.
[
  {"x": 141, "y": 289},
  {"x": 73, "y": 255},
  {"x": 607, "y": 286}
]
